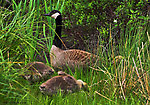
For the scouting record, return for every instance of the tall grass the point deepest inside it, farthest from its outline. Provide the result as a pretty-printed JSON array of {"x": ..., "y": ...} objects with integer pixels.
[{"x": 123, "y": 76}]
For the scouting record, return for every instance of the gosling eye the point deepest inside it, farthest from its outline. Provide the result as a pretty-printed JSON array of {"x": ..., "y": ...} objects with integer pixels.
[
  {"x": 83, "y": 86},
  {"x": 50, "y": 71}
]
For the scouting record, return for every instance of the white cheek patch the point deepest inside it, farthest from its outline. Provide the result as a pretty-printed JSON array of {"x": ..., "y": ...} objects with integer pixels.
[{"x": 55, "y": 15}]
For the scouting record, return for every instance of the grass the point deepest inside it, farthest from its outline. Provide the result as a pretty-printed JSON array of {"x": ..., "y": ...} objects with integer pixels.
[{"x": 123, "y": 76}]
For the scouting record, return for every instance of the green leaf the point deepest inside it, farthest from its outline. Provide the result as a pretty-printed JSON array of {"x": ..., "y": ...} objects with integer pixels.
[{"x": 131, "y": 11}]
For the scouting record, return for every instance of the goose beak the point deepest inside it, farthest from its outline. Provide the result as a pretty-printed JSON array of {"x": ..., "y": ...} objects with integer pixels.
[{"x": 46, "y": 14}]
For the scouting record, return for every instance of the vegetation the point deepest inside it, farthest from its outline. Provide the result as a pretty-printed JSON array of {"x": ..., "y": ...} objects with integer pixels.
[{"x": 123, "y": 76}]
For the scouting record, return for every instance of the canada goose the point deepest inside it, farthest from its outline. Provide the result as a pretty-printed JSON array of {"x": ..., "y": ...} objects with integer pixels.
[
  {"x": 57, "y": 16},
  {"x": 37, "y": 71},
  {"x": 71, "y": 58},
  {"x": 63, "y": 81}
]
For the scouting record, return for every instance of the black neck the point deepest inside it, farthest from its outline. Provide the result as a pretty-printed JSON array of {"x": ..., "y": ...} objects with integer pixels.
[{"x": 57, "y": 42}]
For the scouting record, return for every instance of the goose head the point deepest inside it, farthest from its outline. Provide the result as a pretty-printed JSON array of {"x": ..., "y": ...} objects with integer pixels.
[
  {"x": 58, "y": 18},
  {"x": 54, "y": 14}
]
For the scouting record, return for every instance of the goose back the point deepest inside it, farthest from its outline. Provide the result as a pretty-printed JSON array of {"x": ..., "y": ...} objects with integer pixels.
[{"x": 71, "y": 58}]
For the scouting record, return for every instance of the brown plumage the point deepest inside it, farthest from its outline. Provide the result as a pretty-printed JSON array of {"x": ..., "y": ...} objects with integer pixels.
[
  {"x": 63, "y": 81},
  {"x": 37, "y": 71},
  {"x": 71, "y": 58}
]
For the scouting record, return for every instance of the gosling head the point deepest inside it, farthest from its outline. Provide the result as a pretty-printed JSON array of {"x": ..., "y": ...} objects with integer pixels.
[
  {"x": 82, "y": 85},
  {"x": 54, "y": 14}
]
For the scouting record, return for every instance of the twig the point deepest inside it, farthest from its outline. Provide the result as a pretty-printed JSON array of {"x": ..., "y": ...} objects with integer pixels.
[
  {"x": 121, "y": 86},
  {"x": 104, "y": 96},
  {"x": 138, "y": 75},
  {"x": 106, "y": 72},
  {"x": 148, "y": 36},
  {"x": 140, "y": 59}
]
